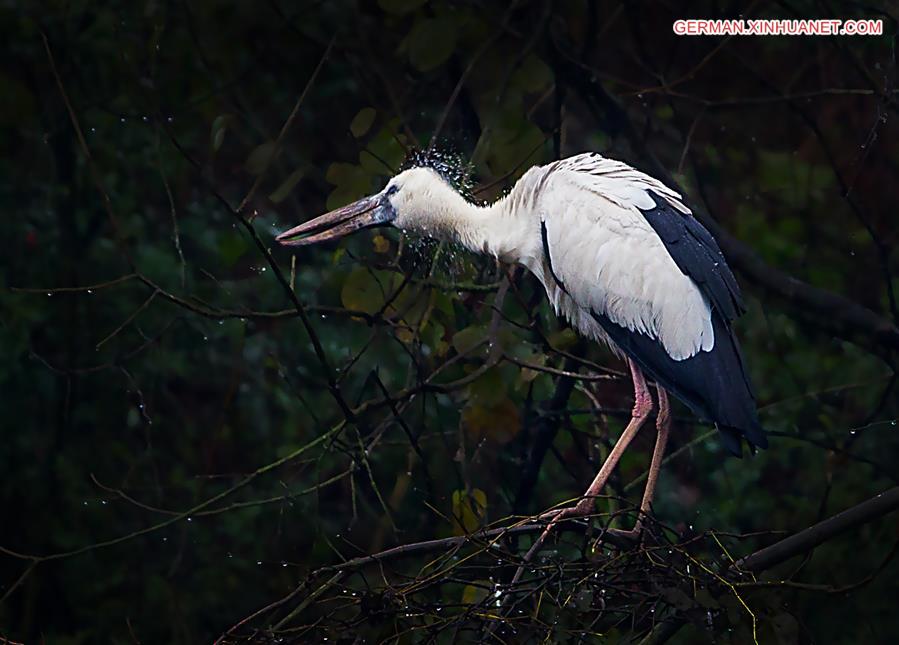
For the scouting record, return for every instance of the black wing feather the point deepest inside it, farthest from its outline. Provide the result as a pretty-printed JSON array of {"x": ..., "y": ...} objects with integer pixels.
[
  {"x": 714, "y": 384},
  {"x": 697, "y": 255}
]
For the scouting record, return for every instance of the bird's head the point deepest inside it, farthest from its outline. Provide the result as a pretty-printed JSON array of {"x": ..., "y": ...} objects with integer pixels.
[{"x": 408, "y": 202}]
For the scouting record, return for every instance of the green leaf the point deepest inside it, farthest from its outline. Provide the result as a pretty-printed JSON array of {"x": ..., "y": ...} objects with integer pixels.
[
  {"x": 231, "y": 247},
  {"x": 467, "y": 339},
  {"x": 665, "y": 112},
  {"x": 516, "y": 145},
  {"x": 533, "y": 76},
  {"x": 362, "y": 291},
  {"x": 431, "y": 43},
  {"x": 384, "y": 152},
  {"x": 362, "y": 122},
  {"x": 489, "y": 389},
  {"x": 286, "y": 186},
  {"x": 474, "y": 594},
  {"x": 260, "y": 158},
  {"x": 352, "y": 182},
  {"x": 339, "y": 173},
  {"x": 343, "y": 195},
  {"x": 432, "y": 336}
]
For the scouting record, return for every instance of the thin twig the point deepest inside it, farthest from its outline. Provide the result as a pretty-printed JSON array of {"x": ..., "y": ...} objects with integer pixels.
[{"x": 284, "y": 129}]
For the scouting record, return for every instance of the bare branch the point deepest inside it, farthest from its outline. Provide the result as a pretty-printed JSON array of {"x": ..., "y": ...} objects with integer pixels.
[{"x": 809, "y": 538}]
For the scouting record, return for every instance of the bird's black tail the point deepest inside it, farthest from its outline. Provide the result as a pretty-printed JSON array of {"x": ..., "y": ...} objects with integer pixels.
[{"x": 713, "y": 384}]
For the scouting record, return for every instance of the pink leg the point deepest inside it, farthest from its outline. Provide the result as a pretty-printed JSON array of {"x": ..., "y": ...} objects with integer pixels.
[
  {"x": 642, "y": 408},
  {"x": 663, "y": 426}
]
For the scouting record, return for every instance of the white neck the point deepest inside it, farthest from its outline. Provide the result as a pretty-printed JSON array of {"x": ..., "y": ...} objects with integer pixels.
[{"x": 496, "y": 229}]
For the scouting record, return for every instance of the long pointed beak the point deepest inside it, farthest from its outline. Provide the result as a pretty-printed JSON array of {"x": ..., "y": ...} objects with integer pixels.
[{"x": 365, "y": 213}]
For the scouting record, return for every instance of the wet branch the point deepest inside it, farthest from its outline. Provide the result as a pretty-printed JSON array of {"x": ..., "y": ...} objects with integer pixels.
[{"x": 809, "y": 538}]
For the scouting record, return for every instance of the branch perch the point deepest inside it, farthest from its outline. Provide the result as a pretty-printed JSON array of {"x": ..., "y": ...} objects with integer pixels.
[{"x": 821, "y": 532}]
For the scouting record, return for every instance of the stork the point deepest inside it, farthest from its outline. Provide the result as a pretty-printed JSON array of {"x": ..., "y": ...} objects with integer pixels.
[{"x": 622, "y": 258}]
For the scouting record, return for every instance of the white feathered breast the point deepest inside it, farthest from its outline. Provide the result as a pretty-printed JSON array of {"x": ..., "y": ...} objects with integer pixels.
[{"x": 608, "y": 259}]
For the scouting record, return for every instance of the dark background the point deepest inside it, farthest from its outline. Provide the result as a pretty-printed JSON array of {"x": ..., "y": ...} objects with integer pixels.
[{"x": 177, "y": 453}]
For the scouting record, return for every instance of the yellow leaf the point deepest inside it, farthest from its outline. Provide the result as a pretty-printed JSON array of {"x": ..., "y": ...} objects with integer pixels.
[
  {"x": 498, "y": 423},
  {"x": 381, "y": 243},
  {"x": 563, "y": 339},
  {"x": 469, "y": 510},
  {"x": 404, "y": 334}
]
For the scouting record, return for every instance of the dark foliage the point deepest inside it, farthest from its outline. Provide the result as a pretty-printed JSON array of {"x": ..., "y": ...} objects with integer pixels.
[{"x": 206, "y": 435}]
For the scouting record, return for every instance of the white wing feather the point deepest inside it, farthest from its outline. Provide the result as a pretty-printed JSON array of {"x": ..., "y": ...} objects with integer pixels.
[{"x": 611, "y": 261}]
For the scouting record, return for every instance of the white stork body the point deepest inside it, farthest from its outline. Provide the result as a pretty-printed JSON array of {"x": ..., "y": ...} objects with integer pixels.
[
  {"x": 601, "y": 249},
  {"x": 620, "y": 256}
]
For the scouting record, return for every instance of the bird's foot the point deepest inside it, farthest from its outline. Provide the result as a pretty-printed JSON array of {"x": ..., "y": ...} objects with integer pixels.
[
  {"x": 621, "y": 537},
  {"x": 548, "y": 515},
  {"x": 581, "y": 509},
  {"x": 642, "y": 531},
  {"x": 631, "y": 535}
]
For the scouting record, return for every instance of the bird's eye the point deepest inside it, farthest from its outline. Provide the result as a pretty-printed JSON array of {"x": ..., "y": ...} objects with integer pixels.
[{"x": 392, "y": 190}]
